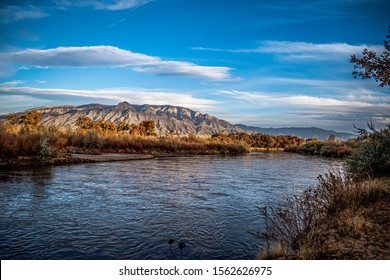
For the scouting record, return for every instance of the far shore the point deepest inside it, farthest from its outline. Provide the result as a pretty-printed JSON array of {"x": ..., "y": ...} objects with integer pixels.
[
  {"x": 88, "y": 157},
  {"x": 74, "y": 158},
  {"x": 111, "y": 157},
  {"x": 267, "y": 149}
]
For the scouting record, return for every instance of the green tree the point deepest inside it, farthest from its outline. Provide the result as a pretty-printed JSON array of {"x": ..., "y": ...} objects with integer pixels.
[
  {"x": 373, "y": 65},
  {"x": 372, "y": 156}
]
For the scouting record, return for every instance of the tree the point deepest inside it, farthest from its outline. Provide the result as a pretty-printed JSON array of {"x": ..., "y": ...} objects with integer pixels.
[
  {"x": 373, "y": 65},
  {"x": 149, "y": 126},
  {"x": 32, "y": 119},
  {"x": 122, "y": 126},
  {"x": 84, "y": 122},
  {"x": 12, "y": 119}
]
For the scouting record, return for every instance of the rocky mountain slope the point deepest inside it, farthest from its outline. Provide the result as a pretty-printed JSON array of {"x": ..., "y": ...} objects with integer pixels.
[{"x": 168, "y": 119}]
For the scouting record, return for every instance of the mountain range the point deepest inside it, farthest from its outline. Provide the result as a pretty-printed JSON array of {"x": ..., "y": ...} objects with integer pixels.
[
  {"x": 303, "y": 132},
  {"x": 168, "y": 119}
]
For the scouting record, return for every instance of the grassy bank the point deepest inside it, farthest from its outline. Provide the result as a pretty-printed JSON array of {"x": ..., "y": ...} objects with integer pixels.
[{"x": 345, "y": 216}]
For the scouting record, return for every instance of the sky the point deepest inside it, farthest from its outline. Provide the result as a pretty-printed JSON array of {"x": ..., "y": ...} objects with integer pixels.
[{"x": 261, "y": 63}]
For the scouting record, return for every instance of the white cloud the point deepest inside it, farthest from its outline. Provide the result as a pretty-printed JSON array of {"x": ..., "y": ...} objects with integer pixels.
[
  {"x": 112, "y": 56},
  {"x": 304, "y": 47},
  {"x": 16, "y": 103},
  {"x": 135, "y": 96},
  {"x": 314, "y": 105},
  {"x": 11, "y": 13},
  {"x": 113, "y": 5},
  {"x": 120, "y": 5},
  {"x": 302, "y": 50},
  {"x": 11, "y": 83},
  {"x": 281, "y": 109}
]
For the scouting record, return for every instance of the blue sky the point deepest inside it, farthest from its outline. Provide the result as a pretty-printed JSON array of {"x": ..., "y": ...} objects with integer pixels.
[{"x": 263, "y": 63}]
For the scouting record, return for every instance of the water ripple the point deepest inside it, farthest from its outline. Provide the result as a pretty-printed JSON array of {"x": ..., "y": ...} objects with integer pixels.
[{"x": 128, "y": 210}]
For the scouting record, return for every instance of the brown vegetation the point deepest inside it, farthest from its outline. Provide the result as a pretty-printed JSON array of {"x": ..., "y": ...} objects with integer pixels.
[
  {"x": 323, "y": 148},
  {"x": 23, "y": 139},
  {"x": 260, "y": 140}
]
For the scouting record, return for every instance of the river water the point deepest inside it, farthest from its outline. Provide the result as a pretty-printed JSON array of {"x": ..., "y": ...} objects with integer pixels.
[{"x": 129, "y": 210}]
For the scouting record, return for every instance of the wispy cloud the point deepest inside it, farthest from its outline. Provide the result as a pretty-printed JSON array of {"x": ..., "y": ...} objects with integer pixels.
[
  {"x": 135, "y": 96},
  {"x": 12, "y": 13},
  {"x": 351, "y": 110},
  {"x": 109, "y": 56},
  {"x": 300, "y": 102},
  {"x": 11, "y": 83},
  {"x": 113, "y": 5},
  {"x": 300, "y": 50}
]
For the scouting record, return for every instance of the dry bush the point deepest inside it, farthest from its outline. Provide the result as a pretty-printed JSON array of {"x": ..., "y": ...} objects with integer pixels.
[{"x": 303, "y": 223}]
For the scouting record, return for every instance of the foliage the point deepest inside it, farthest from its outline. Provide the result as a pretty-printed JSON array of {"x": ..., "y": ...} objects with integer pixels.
[
  {"x": 45, "y": 149},
  {"x": 373, "y": 65},
  {"x": 19, "y": 142},
  {"x": 301, "y": 224},
  {"x": 260, "y": 140},
  {"x": 323, "y": 148},
  {"x": 372, "y": 156},
  {"x": 145, "y": 128},
  {"x": 31, "y": 120}
]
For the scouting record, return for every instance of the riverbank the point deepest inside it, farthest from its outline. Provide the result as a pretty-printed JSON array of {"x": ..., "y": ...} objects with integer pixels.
[
  {"x": 77, "y": 158},
  {"x": 354, "y": 226},
  {"x": 345, "y": 216},
  {"x": 72, "y": 158},
  {"x": 20, "y": 146}
]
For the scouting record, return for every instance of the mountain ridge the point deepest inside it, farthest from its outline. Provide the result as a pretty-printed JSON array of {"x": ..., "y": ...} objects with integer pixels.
[
  {"x": 168, "y": 119},
  {"x": 303, "y": 132}
]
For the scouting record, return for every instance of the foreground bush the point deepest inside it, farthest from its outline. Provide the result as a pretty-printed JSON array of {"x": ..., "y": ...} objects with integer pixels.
[
  {"x": 301, "y": 226},
  {"x": 372, "y": 156}
]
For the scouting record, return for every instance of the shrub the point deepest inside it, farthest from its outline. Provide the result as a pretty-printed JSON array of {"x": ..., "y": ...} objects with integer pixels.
[
  {"x": 45, "y": 149},
  {"x": 92, "y": 140},
  {"x": 372, "y": 156},
  {"x": 301, "y": 223}
]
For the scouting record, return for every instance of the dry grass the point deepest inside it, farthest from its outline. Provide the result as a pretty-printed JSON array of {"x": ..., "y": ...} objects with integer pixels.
[
  {"x": 313, "y": 224},
  {"x": 272, "y": 253},
  {"x": 46, "y": 142}
]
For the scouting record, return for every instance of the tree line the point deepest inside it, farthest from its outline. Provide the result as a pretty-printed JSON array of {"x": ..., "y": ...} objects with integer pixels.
[
  {"x": 260, "y": 140},
  {"x": 145, "y": 128}
]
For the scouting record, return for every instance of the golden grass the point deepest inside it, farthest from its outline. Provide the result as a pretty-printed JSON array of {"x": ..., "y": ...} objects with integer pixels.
[
  {"x": 324, "y": 222},
  {"x": 43, "y": 142},
  {"x": 272, "y": 253}
]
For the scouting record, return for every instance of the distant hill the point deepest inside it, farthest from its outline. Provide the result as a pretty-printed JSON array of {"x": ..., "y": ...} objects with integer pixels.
[
  {"x": 303, "y": 132},
  {"x": 171, "y": 119}
]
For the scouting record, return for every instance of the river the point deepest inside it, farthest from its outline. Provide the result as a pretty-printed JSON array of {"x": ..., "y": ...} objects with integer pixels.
[{"x": 129, "y": 210}]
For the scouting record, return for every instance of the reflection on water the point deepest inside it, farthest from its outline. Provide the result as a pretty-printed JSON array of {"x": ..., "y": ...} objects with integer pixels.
[{"x": 128, "y": 210}]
